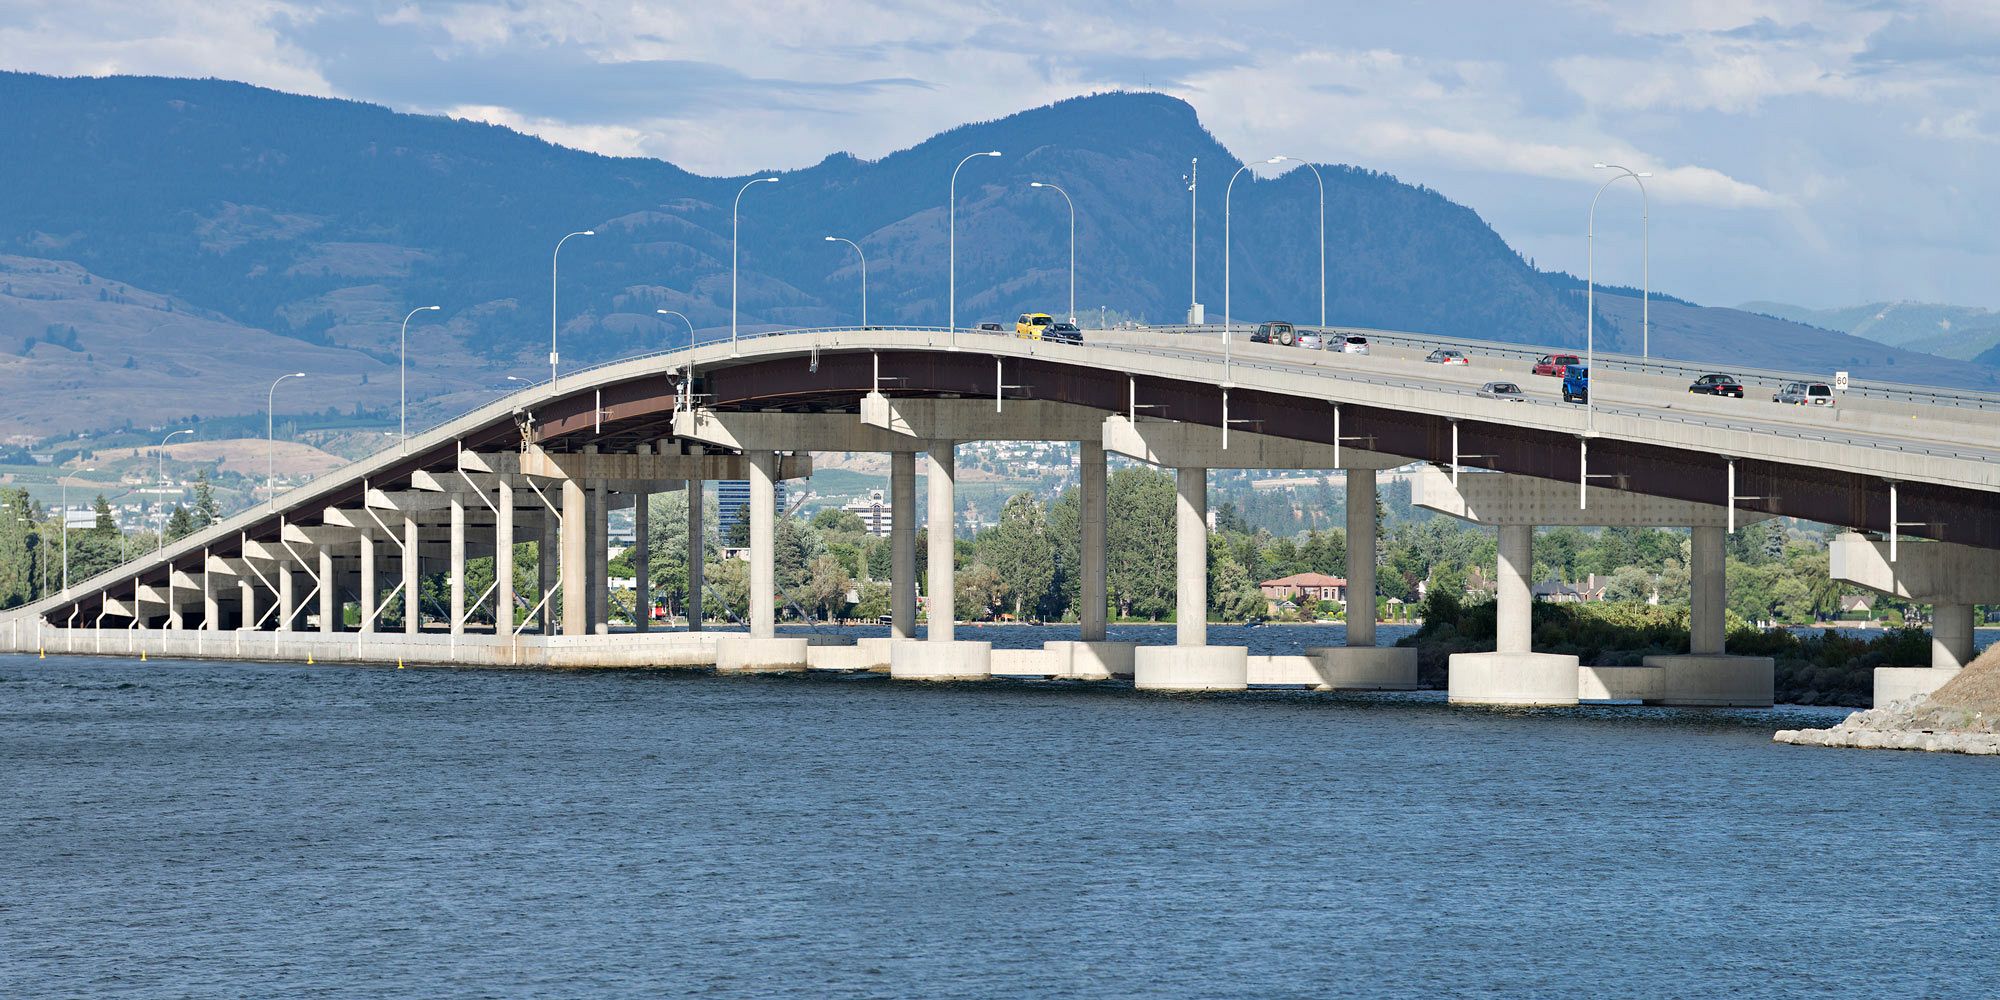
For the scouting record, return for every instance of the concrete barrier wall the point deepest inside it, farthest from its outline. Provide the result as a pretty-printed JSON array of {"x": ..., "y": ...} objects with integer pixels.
[
  {"x": 654, "y": 649},
  {"x": 1618, "y": 683}
]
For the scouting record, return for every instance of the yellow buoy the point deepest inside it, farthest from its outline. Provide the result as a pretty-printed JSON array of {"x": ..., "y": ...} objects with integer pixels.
[
  {"x": 399, "y": 663},
  {"x": 142, "y": 656},
  {"x": 309, "y": 659},
  {"x": 44, "y": 653}
]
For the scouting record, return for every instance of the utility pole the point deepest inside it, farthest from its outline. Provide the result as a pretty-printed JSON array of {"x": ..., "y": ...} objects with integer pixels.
[{"x": 1193, "y": 177}]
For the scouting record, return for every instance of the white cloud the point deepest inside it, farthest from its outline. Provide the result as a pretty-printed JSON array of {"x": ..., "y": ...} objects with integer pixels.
[{"x": 241, "y": 41}]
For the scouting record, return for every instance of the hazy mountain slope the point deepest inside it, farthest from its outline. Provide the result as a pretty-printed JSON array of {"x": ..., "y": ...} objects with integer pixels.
[{"x": 1932, "y": 327}]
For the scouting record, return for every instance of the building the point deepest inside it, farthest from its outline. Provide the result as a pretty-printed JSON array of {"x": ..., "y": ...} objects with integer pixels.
[
  {"x": 1307, "y": 586},
  {"x": 732, "y": 499},
  {"x": 874, "y": 511}
]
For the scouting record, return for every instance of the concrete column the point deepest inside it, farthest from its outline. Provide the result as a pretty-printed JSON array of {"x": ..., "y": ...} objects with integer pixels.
[
  {"x": 697, "y": 554},
  {"x": 1191, "y": 557},
  {"x": 1707, "y": 591},
  {"x": 368, "y": 593},
  {"x": 939, "y": 473},
  {"x": 1361, "y": 557},
  {"x": 763, "y": 544},
  {"x": 413, "y": 614},
  {"x": 503, "y": 561},
  {"x": 246, "y": 595},
  {"x": 902, "y": 544},
  {"x": 600, "y": 562},
  {"x": 288, "y": 600},
  {"x": 642, "y": 561},
  {"x": 457, "y": 573},
  {"x": 574, "y": 560},
  {"x": 548, "y": 561},
  {"x": 1515, "y": 600},
  {"x": 329, "y": 592},
  {"x": 1093, "y": 501},
  {"x": 174, "y": 618},
  {"x": 1951, "y": 635}
]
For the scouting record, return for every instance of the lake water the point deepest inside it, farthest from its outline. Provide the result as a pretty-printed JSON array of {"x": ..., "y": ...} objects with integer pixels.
[{"x": 230, "y": 830}]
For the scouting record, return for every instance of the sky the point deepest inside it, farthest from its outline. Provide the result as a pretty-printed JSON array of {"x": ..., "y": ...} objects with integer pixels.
[{"x": 1816, "y": 152}]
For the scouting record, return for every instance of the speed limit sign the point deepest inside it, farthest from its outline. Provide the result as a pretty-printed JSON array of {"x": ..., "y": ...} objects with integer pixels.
[{"x": 1840, "y": 381}]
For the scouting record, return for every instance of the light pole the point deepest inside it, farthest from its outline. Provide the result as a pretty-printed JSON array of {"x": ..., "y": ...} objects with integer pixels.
[
  {"x": 1322, "y": 240},
  {"x": 1072, "y": 243},
  {"x": 1228, "y": 192},
  {"x": 163, "y": 478},
  {"x": 65, "y": 530},
  {"x": 733, "y": 230},
  {"x": 864, "y": 274},
  {"x": 1590, "y": 297},
  {"x": 553, "y": 258},
  {"x": 271, "y": 436},
  {"x": 1645, "y": 255},
  {"x": 951, "y": 240},
  {"x": 403, "y": 368},
  {"x": 684, "y": 319}
]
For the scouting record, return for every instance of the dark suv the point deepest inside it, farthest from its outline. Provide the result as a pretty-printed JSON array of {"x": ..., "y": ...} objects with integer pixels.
[
  {"x": 1062, "y": 332},
  {"x": 1717, "y": 385}
]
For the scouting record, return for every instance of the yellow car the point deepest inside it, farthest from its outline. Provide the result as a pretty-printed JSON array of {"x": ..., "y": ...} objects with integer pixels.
[{"x": 1031, "y": 325}]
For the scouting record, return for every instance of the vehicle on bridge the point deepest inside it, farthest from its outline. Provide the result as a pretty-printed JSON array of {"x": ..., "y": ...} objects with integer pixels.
[
  {"x": 1031, "y": 325},
  {"x": 1354, "y": 343},
  {"x": 1717, "y": 385},
  {"x": 1804, "y": 394},
  {"x": 1503, "y": 390},
  {"x": 1447, "y": 356},
  {"x": 1062, "y": 332},
  {"x": 1312, "y": 340},
  {"x": 991, "y": 328},
  {"x": 1576, "y": 383},
  {"x": 1555, "y": 364},
  {"x": 1275, "y": 332}
]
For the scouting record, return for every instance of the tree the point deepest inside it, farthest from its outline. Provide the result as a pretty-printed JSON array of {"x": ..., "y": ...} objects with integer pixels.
[
  {"x": 1020, "y": 553},
  {"x": 826, "y": 587},
  {"x": 834, "y": 520},
  {"x": 1139, "y": 542},
  {"x": 206, "y": 512},
  {"x": 1232, "y": 595},
  {"x": 977, "y": 591},
  {"x": 1629, "y": 583},
  {"x": 180, "y": 524},
  {"x": 106, "y": 524}
]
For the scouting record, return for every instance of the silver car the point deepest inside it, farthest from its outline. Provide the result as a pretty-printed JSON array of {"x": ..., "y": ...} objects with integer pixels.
[
  {"x": 1447, "y": 356},
  {"x": 1311, "y": 340},
  {"x": 1502, "y": 390},
  {"x": 1804, "y": 394},
  {"x": 1355, "y": 344}
]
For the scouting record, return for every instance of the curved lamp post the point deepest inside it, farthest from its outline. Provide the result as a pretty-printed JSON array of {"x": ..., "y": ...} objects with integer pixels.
[
  {"x": 1590, "y": 295},
  {"x": 1645, "y": 254},
  {"x": 951, "y": 239},
  {"x": 733, "y": 229},
  {"x": 552, "y": 300},
  {"x": 864, "y": 274},
  {"x": 684, "y": 319},
  {"x": 163, "y": 478},
  {"x": 1072, "y": 243},
  {"x": 1229, "y": 191},
  {"x": 1322, "y": 239},
  {"x": 271, "y": 436},
  {"x": 403, "y": 369}
]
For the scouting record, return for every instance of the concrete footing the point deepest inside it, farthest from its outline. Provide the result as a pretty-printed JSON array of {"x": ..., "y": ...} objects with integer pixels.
[
  {"x": 1714, "y": 680},
  {"x": 839, "y": 659},
  {"x": 1191, "y": 668},
  {"x": 741, "y": 654},
  {"x": 875, "y": 650},
  {"x": 1894, "y": 684},
  {"x": 1366, "y": 668},
  {"x": 958, "y": 660},
  {"x": 1092, "y": 661},
  {"x": 1517, "y": 679},
  {"x": 1641, "y": 684},
  {"x": 1026, "y": 664}
]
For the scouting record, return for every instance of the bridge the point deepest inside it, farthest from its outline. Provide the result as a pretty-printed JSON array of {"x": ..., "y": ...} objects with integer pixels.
[{"x": 1913, "y": 473}]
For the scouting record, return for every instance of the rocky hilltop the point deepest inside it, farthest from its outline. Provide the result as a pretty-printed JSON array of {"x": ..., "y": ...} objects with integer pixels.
[{"x": 1961, "y": 717}]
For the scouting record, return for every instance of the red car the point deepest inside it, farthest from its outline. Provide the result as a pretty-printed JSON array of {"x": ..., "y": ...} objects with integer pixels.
[{"x": 1556, "y": 364}]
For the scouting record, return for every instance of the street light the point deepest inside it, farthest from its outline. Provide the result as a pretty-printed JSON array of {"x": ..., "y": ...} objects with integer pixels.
[
  {"x": 404, "y": 371},
  {"x": 1646, "y": 256},
  {"x": 553, "y": 258},
  {"x": 864, "y": 274},
  {"x": 951, "y": 239},
  {"x": 1072, "y": 243},
  {"x": 1229, "y": 191},
  {"x": 1590, "y": 294},
  {"x": 163, "y": 478},
  {"x": 271, "y": 435},
  {"x": 684, "y": 319},
  {"x": 1322, "y": 239},
  {"x": 65, "y": 529},
  {"x": 733, "y": 231}
]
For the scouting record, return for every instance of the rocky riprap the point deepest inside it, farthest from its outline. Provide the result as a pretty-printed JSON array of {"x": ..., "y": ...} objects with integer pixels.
[{"x": 1961, "y": 717}]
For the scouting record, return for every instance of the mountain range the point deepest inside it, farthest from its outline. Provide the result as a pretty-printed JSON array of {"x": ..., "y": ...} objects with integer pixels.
[
  {"x": 1964, "y": 333},
  {"x": 169, "y": 246}
]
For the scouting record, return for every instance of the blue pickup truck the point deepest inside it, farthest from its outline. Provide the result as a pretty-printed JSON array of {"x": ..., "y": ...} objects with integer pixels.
[{"x": 1576, "y": 384}]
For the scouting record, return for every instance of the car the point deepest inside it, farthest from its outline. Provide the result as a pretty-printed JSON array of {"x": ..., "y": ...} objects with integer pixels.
[
  {"x": 1717, "y": 385},
  {"x": 992, "y": 328},
  {"x": 1555, "y": 364},
  {"x": 1311, "y": 340},
  {"x": 1804, "y": 394},
  {"x": 1061, "y": 332},
  {"x": 1576, "y": 383},
  {"x": 1030, "y": 325},
  {"x": 1275, "y": 332},
  {"x": 1447, "y": 356},
  {"x": 1354, "y": 344},
  {"x": 1503, "y": 390}
]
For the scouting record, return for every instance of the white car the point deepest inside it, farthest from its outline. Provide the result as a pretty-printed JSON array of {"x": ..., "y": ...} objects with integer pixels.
[
  {"x": 1502, "y": 390},
  {"x": 1446, "y": 356},
  {"x": 1311, "y": 340},
  {"x": 1355, "y": 344}
]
